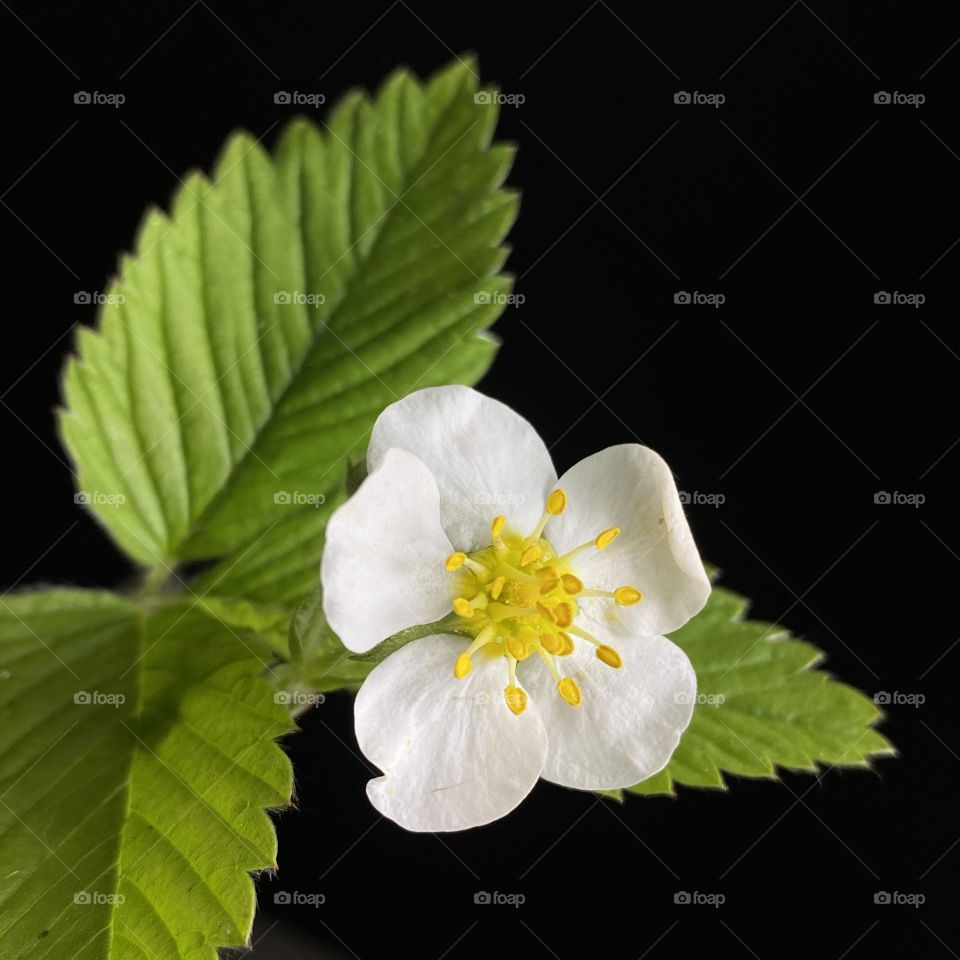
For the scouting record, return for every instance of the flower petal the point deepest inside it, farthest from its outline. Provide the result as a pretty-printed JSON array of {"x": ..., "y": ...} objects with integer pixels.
[
  {"x": 630, "y": 720},
  {"x": 383, "y": 563},
  {"x": 453, "y": 754},
  {"x": 487, "y": 459},
  {"x": 631, "y": 487}
]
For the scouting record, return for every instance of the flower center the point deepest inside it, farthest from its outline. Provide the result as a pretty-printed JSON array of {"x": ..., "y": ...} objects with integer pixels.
[{"x": 518, "y": 598}]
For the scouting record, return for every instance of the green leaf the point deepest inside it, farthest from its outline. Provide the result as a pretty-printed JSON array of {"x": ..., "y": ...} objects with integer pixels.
[
  {"x": 265, "y": 627},
  {"x": 761, "y": 705},
  {"x": 258, "y": 330},
  {"x": 129, "y": 823}
]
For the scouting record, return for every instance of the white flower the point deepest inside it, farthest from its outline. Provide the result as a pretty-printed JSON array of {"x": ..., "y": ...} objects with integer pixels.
[{"x": 558, "y": 667}]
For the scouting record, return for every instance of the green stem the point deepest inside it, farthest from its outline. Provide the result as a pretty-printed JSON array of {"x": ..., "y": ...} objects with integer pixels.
[
  {"x": 451, "y": 623},
  {"x": 154, "y": 580}
]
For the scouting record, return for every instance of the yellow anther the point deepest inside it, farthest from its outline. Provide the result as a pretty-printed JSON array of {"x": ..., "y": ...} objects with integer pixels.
[
  {"x": 516, "y": 699},
  {"x": 517, "y": 648},
  {"x": 546, "y": 613},
  {"x": 609, "y": 656},
  {"x": 455, "y": 561},
  {"x": 551, "y": 642},
  {"x": 463, "y": 666},
  {"x": 607, "y": 537},
  {"x": 627, "y": 596},
  {"x": 566, "y": 643},
  {"x": 462, "y": 607},
  {"x": 570, "y": 692},
  {"x": 496, "y": 528},
  {"x": 496, "y": 588},
  {"x": 573, "y": 585},
  {"x": 556, "y": 503},
  {"x": 563, "y": 614},
  {"x": 530, "y": 554},
  {"x": 547, "y": 577}
]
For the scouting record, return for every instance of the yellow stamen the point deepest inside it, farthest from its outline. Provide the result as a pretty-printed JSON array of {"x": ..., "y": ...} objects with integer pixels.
[
  {"x": 514, "y": 574},
  {"x": 496, "y": 528},
  {"x": 461, "y": 606},
  {"x": 566, "y": 643},
  {"x": 516, "y": 699},
  {"x": 627, "y": 596},
  {"x": 496, "y": 587},
  {"x": 563, "y": 614},
  {"x": 455, "y": 561},
  {"x": 518, "y": 649},
  {"x": 570, "y": 692},
  {"x": 487, "y": 635},
  {"x": 600, "y": 542},
  {"x": 502, "y": 611},
  {"x": 548, "y": 578},
  {"x": 511, "y": 671},
  {"x": 609, "y": 656},
  {"x": 546, "y": 613},
  {"x": 548, "y": 662},
  {"x": 573, "y": 585},
  {"x": 463, "y": 666},
  {"x": 556, "y": 503},
  {"x": 530, "y": 554},
  {"x": 551, "y": 642},
  {"x": 607, "y": 537},
  {"x": 577, "y": 632}
]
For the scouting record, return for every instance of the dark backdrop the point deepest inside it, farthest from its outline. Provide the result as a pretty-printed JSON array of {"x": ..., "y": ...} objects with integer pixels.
[{"x": 798, "y": 399}]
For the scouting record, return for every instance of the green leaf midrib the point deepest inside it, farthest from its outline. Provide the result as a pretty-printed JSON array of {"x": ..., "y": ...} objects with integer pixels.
[
  {"x": 125, "y": 786},
  {"x": 317, "y": 335}
]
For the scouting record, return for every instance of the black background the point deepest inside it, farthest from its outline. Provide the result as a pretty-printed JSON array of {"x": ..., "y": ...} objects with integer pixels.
[{"x": 798, "y": 400}]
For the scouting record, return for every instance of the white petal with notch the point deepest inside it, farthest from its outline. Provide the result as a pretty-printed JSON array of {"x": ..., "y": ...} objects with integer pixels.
[{"x": 452, "y": 753}]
